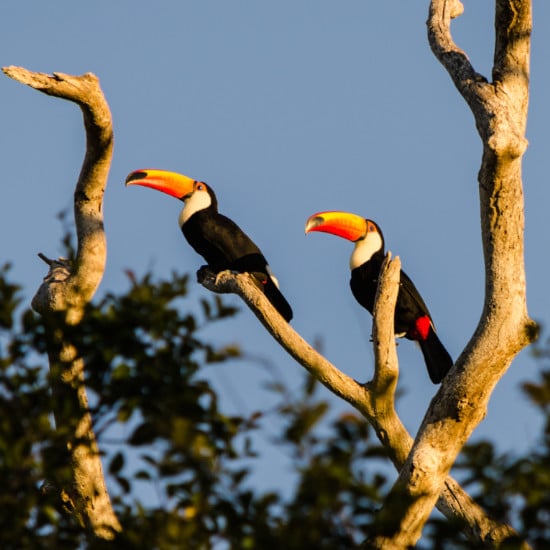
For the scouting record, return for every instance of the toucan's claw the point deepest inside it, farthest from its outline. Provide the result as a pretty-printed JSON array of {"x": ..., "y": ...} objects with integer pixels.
[{"x": 218, "y": 275}]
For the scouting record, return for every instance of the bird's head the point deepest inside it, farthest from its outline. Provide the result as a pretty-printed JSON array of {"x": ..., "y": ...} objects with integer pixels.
[
  {"x": 366, "y": 235},
  {"x": 196, "y": 194}
]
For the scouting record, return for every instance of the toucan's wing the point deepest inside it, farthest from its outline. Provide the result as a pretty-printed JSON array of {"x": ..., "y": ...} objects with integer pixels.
[{"x": 411, "y": 298}]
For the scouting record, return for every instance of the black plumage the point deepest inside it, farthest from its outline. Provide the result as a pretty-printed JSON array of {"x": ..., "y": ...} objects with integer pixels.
[
  {"x": 224, "y": 245},
  {"x": 412, "y": 319},
  {"x": 219, "y": 240}
]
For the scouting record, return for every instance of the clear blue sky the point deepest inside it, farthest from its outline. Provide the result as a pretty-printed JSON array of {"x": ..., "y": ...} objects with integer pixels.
[{"x": 286, "y": 109}]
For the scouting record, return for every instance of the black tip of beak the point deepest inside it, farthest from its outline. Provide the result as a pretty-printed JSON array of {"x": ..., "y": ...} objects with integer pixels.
[
  {"x": 135, "y": 176},
  {"x": 312, "y": 223}
]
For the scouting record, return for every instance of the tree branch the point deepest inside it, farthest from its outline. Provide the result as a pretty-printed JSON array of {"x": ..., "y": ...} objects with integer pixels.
[
  {"x": 500, "y": 111},
  {"x": 374, "y": 400},
  {"x": 66, "y": 290},
  {"x": 241, "y": 284},
  {"x": 83, "y": 279}
]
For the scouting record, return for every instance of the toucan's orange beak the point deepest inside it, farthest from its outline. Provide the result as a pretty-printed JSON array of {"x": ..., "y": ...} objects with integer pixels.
[
  {"x": 171, "y": 183},
  {"x": 343, "y": 224}
]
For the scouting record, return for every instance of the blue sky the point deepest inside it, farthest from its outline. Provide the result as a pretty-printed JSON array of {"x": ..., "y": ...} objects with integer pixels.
[{"x": 285, "y": 109}]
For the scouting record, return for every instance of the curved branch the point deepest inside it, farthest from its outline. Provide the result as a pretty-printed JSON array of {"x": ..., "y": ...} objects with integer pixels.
[
  {"x": 444, "y": 48},
  {"x": 242, "y": 284},
  {"x": 66, "y": 290},
  {"x": 79, "y": 283},
  {"x": 507, "y": 95},
  {"x": 472, "y": 85},
  {"x": 374, "y": 400}
]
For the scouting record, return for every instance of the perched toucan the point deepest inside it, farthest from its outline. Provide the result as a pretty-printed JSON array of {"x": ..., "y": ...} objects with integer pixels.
[
  {"x": 216, "y": 238},
  {"x": 412, "y": 318}
]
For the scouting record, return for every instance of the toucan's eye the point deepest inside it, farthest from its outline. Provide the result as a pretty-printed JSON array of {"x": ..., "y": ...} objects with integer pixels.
[{"x": 200, "y": 186}]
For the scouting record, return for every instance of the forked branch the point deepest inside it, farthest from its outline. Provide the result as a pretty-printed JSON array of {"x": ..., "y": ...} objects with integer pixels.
[
  {"x": 374, "y": 400},
  {"x": 500, "y": 112}
]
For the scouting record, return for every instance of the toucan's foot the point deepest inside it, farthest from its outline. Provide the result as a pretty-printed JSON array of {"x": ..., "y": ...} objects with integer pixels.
[
  {"x": 220, "y": 273},
  {"x": 208, "y": 275}
]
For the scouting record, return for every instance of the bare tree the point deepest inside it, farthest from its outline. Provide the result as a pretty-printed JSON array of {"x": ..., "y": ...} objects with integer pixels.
[
  {"x": 66, "y": 291},
  {"x": 500, "y": 110}
]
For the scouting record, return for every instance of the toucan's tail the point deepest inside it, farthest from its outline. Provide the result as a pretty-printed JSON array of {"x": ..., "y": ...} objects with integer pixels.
[
  {"x": 438, "y": 361},
  {"x": 275, "y": 296}
]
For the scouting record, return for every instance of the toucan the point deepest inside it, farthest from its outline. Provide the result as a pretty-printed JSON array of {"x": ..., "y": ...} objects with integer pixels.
[
  {"x": 412, "y": 318},
  {"x": 219, "y": 240}
]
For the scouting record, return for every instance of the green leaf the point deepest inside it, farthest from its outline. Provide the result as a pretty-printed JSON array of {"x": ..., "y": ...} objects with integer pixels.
[{"x": 117, "y": 463}]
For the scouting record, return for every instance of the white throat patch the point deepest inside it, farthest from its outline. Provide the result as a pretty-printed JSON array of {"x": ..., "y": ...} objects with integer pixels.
[
  {"x": 199, "y": 200},
  {"x": 364, "y": 249}
]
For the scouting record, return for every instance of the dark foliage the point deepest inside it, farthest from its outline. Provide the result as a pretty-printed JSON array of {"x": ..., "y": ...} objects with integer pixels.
[
  {"x": 143, "y": 354},
  {"x": 178, "y": 467}
]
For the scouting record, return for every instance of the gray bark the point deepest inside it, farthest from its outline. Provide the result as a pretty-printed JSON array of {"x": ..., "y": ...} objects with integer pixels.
[
  {"x": 63, "y": 295},
  {"x": 500, "y": 112},
  {"x": 374, "y": 400}
]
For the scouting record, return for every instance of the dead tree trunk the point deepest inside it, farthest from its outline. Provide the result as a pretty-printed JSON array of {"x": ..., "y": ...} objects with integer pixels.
[
  {"x": 374, "y": 400},
  {"x": 500, "y": 111},
  {"x": 62, "y": 298}
]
